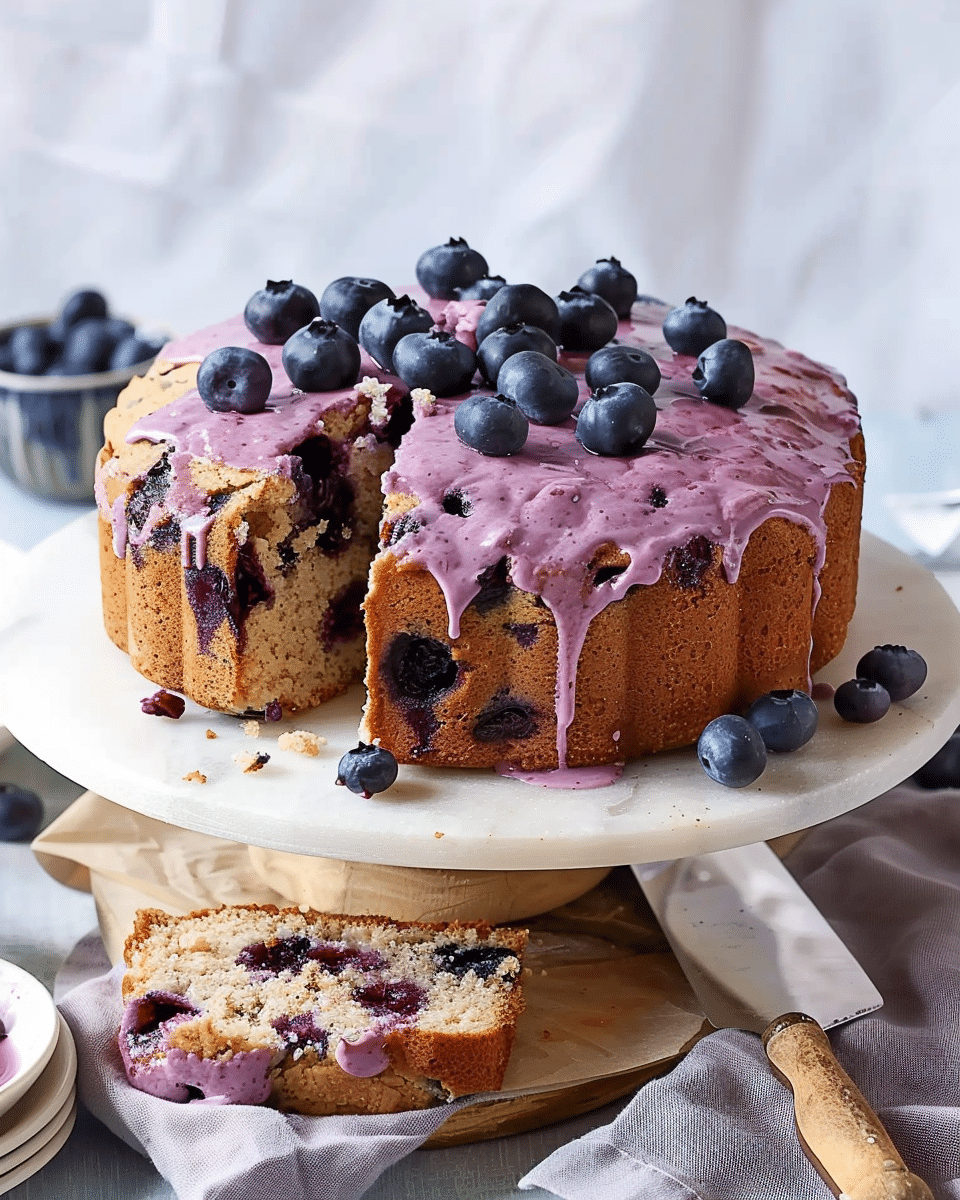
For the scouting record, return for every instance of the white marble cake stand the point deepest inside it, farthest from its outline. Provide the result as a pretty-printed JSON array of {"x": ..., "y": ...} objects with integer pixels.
[{"x": 73, "y": 699}]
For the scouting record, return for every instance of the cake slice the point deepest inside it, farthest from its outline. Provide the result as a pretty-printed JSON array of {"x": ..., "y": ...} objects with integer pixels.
[{"x": 317, "y": 1014}]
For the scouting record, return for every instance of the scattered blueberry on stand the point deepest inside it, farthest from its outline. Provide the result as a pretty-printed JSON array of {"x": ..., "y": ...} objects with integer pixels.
[
  {"x": 499, "y": 345},
  {"x": 901, "y": 671},
  {"x": 21, "y": 813},
  {"x": 234, "y": 379},
  {"x": 611, "y": 280},
  {"x": 691, "y": 327},
  {"x": 386, "y": 322},
  {"x": 587, "y": 321},
  {"x": 321, "y": 357},
  {"x": 544, "y": 391},
  {"x": 622, "y": 364},
  {"x": 785, "y": 719},
  {"x": 367, "y": 769},
  {"x": 492, "y": 425},
  {"x": 616, "y": 420},
  {"x": 861, "y": 701},
  {"x": 943, "y": 770},
  {"x": 346, "y": 299},
  {"x": 443, "y": 270},
  {"x": 482, "y": 289},
  {"x": 277, "y": 311},
  {"x": 519, "y": 304},
  {"x": 435, "y": 360},
  {"x": 731, "y": 751},
  {"x": 725, "y": 374}
]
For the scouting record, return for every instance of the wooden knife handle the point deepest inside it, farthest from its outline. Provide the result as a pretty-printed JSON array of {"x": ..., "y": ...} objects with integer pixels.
[{"x": 839, "y": 1131}]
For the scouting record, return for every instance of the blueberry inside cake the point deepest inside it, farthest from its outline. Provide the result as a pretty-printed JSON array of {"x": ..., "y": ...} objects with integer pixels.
[{"x": 317, "y": 1014}]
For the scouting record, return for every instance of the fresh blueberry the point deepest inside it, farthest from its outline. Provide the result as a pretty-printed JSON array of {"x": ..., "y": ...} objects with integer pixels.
[
  {"x": 731, "y": 751},
  {"x": 386, "y": 322},
  {"x": 435, "y": 360},
  {"x": 724, "y": 373},
  {"x": 899, "y": 670},
  {"x": 367, "y": 769},
  {"x": 943, "y": 770},
  {"x": 348, "y": 298},
  {"x": 692, "y": 327},
  {"x": 89, "y": 346},
  {"x": 6, "y": 355},
  {"x": 587, "y": 321},
  {"x": 321, "y": 357},
  {"x": 32, "y": 350},
  {"x": 77, "y": 307},
  {"x": 609, "y": 279},
  {"x": 519, "y": 304},
  {"x": 482, "y": 289},
  {"x": 491, "y": 424},
  {"x": 786, "y": 720},
  {"x": 277, "y": 311},
  {"x": 443, "y": 270},
  {"x": 861, "y": 700},
  {"x": 234, "y": 379},
  {"x": 617, "y": 420},
  {"x": 498, "y": 346},
  {"x": 135, "y": 350},
  {"x": 622, "y": 364},
  {"x": 21, "y": 813},
  {"x": 545, "y": 392}
]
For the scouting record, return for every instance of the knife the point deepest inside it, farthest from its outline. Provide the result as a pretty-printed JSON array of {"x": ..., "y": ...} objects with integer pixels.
[{"x": 761, "y": 957}]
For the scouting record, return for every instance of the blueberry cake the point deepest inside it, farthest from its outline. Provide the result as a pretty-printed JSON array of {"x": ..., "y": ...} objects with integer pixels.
[
  {"x": 545, "y": 590},
  {"x": 234, "y": 548},
  {"x": 317, "y": 1014},
  {"x": 559, "y": 608}
]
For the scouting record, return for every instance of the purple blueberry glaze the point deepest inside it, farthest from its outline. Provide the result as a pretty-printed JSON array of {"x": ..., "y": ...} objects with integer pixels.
[{"x": 363, "y": 1056}]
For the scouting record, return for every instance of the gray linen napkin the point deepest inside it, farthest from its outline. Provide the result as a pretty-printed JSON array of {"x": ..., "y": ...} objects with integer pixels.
[
  {"x": 720, "y": 1126},
  {"x": 229, "y": 1152}
]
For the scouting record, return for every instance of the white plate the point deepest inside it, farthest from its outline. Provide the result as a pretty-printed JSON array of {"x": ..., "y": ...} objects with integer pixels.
[
  {"x": 43, "y": 1135},
  {"x": 11, "y": 1179},
  {"x": 45, "y": 1099},
  {"x": 74, "y": 700},
  {"x": 33, "y": 1026}
]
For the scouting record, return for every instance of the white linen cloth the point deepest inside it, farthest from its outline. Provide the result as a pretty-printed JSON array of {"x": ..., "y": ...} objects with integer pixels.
[{"x": 720, "y": 1125}]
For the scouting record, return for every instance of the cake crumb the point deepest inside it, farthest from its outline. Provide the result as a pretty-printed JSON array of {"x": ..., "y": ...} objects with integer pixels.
[
  {"x": 438, "y": 834},
  {"x": 251, "y": 728},
  {"x": 301, "y": 741},
  {"x": 377, "y": 394},
  {"x": 424, "y": 402},
  {"x": 251, "y": 762},
  {"x": 210, "y": 735},
  {"x": 195, "y": 777}
]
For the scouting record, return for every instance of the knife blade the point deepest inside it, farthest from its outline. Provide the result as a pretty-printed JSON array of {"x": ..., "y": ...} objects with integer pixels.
[{"x": 761, "y": 957}]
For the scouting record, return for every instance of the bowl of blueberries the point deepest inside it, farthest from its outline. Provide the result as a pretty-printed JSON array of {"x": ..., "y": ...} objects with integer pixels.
[{"x": 58, "y": 379}]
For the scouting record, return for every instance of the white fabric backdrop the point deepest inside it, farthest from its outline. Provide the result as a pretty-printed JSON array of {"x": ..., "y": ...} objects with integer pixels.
[{"x": 795, "y": 162}]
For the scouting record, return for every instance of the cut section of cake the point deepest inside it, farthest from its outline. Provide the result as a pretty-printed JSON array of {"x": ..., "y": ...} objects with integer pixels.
[{"x": 317, "y": 1014}]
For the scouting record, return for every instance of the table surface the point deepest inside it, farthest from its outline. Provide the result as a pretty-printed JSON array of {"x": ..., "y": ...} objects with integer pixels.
[{"x": 41, "y": 921}]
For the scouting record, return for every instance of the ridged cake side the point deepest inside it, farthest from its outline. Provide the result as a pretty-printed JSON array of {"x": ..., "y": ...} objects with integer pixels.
[
  {"x": 559, "y": 609},
  {"x": 234, "y": 549},
  {"x": 318, "y": 1013}
]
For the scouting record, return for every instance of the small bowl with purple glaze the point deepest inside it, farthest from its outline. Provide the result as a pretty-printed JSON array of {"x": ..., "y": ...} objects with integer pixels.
[
  {"x": 32, "y": 1027},
  {"x": 51, "y": 426}
]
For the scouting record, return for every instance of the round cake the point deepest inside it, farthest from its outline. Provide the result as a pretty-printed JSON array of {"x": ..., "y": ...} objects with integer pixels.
[{"x": 542, "y": 609}]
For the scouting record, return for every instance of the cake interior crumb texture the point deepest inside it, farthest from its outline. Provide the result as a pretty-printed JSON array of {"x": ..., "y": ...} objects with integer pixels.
[{"x": 316, "y": 1013}]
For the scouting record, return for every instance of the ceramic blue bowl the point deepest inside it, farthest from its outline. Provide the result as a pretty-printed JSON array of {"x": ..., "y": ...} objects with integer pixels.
[{"x": 51, "y": 427}]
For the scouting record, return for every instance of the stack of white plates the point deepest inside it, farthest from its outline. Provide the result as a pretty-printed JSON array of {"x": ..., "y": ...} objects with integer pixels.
[{"x": 38, "y": 1074}]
